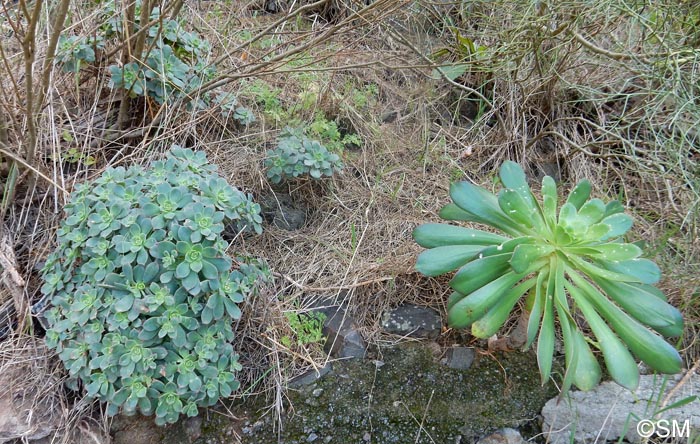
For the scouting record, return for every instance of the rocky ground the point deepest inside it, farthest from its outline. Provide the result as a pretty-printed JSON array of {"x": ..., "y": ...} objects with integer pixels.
[{"x": 415, "y": 392}]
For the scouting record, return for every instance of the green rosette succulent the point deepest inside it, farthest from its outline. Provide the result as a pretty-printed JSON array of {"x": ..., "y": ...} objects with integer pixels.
[
  {"x": 141, "y": 294},
  {"x": 297, "y": 155},
  {"x": 570, "y": 263}
]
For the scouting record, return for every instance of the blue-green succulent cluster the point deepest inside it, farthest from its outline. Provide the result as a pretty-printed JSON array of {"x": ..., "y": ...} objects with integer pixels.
[
  {"x": 297, "y": 155},
  {"x": 76, "y": 51},
  {"x": 173, "y": 65},
  {"x": 142, "y": 294}
]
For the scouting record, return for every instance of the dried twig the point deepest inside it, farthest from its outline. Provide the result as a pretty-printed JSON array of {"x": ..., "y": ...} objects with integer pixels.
[
  {"x": 10, "y": 277},
  {"x": 684, "y": 380}
]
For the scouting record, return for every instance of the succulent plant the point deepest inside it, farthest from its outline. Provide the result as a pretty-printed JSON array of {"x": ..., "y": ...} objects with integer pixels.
[
  {"x": 572, "y": 264},
  {"x": 141, "y": 291},
  {"x": 297, "y": 155}
]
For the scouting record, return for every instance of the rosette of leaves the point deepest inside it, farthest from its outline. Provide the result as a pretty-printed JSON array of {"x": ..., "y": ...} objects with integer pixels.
[
  {"x": 140, "y": 290},
  {"x": 171, "y": 68},
  {"x": 75, "y": 51},
  {"x": 570, "y": 263},
  {"x": 296, "y": 155},
  {"x": 229, "y": 106}
]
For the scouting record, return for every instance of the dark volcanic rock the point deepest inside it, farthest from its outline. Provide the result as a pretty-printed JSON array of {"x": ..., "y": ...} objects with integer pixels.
[
  {"x": 343, "y": 340},
  {"x": 310, "y": 377},
  {"x": 412, "y": 320},
  {"x": 281, "y": 211},
  {"x": 460, "y": 358},
  {"x": 362, "y": 402}
]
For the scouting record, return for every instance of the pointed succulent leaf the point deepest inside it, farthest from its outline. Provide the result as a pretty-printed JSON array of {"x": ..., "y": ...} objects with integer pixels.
[
  {"x": 489, "y": 324},
  {"x": 517, "y": 209},
  {"x": 440, "y": 235},
  {"x": 482, "y": 206},
  {"x": 441, "y": 260},
  {"x": 587, "y": 374},
  {"x": 613, "y": 207},
  {"x": 475, "y": 305},
  {"x": 524, "y": 255},
  {"x": 480, "y": 272},
  {"x": 644, "y": 270},
  {"x": 619, "y": 224},
  {"x": 640, "y": 301},
  {"x": 580, "y": 194},
  {"x": 453, "y": 212},
  {"x": 647, "y": 346},
  {"x": 618, "y": 360},
  {"x": 545, "y": 340},
  {"x": 454, "y": 297},
  {"x": 537, "y": 307},
  {"x": 549, "y": 201},
  {"x": 616, "y": 252},
  {"x": 592, "y": 211}
]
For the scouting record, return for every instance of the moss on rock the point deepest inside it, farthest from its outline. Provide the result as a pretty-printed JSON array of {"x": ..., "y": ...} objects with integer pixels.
[{"x": 405, "y": 395}]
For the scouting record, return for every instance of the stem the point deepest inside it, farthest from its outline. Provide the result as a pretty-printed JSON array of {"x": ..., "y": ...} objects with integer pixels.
[
  {"x": 127, "y": 56},
  {"x": 29, "y": 53}
]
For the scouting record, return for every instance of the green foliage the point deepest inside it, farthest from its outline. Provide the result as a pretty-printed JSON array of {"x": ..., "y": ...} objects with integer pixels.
[
  {"x": 173, "y": 65},
  {"x": 360, "y": 97},
  {"x": 74, "y": 51},
  {"x": 141, "y": 288},
  {"x": 464, "y": 52},
  {"x": 297, "y": 155},
  {"x": 571, "y": 263},
  {"x": 307, "y": 327},
  {"x": 269, "y": 98},
  {"x": 327, "y": 132},
  {"x": 73, "y": 155},
  {"x": 229, "y": 106}
]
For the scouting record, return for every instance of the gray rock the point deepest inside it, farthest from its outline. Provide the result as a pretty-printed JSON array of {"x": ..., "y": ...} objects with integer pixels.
[
  {"x": 193, "y": 427},
  {"x": 310, "y": 377},
  {"x": 609, "y": 411},
  {"x": 343, "y": 340},
  {"x": 412, "y": 320},
  {"x": 460, "y": 358},
  {"x": 281, "y": 211},
  {"x": 503, "y": 436},
  {"x": 389, "y": 116}
]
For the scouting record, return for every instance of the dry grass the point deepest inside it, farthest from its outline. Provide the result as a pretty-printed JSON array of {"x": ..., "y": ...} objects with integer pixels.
[{"x": 33, "y": 389}]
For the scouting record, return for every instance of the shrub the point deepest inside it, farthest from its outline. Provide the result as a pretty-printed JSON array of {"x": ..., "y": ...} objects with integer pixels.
[
  {"x": 142, "y": 291},
  {"x": 173, "y": 64},
  {"x": 579, "y": 253},
  {"x": 297, "y": 155}
]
